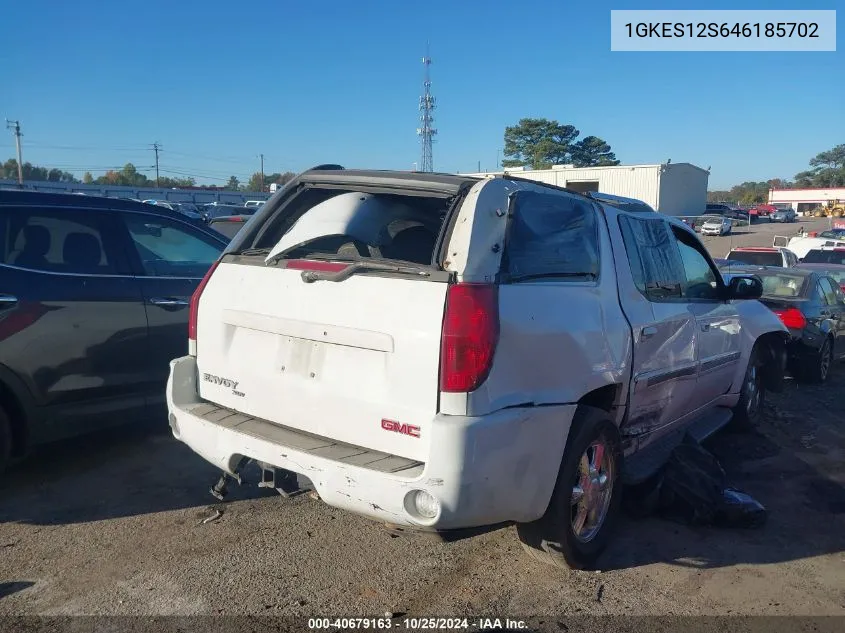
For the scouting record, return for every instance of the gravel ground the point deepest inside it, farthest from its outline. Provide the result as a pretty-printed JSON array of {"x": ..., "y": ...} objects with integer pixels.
[{"x": 113, "y": 525}]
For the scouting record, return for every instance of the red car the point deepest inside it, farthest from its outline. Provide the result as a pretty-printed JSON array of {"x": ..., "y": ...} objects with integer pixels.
[{"x": 763, "y": 210}]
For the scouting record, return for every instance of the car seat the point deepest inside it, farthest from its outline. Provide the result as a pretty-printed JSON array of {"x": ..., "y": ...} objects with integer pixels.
[{"x": 35, "y": 248}]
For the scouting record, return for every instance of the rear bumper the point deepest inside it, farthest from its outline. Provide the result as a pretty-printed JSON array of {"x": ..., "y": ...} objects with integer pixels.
[{"x": 483, "y": 470}]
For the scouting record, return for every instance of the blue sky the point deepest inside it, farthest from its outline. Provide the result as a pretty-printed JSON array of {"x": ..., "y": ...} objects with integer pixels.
[{"x": 218, "y": 82}]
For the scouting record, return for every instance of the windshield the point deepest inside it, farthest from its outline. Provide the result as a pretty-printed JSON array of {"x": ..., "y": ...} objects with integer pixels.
[
  {"x": 757, "y": 258},
  {"x": 781, "y": 284}
]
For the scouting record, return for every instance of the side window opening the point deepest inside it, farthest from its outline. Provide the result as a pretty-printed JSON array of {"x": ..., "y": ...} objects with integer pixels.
[
  {"x": 168, "y": 248},
  {"x": 552, "y": 235},
  {"x": 654, "y": 257},
  {"x": 828, "y": 291},
  {"x": 60, "y": 242},
  {"x": 701, "y": 280},
  {"x": 358, "y": 225}
]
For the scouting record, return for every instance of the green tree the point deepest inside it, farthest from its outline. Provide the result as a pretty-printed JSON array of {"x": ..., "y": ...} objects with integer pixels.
[
  {"x": 538, "y": 143},
  {"x": 828, "y": 170},
  {"x": 541, "y": 143},
  {"x": 88, "y": 178},
  {"x": 254, "y": 183},
  {"x": 9, "y": 169},
  {"x": 233, "y": 184},
  {"x": 591, "y": 150},
  {"x": 173, "y": 183}
]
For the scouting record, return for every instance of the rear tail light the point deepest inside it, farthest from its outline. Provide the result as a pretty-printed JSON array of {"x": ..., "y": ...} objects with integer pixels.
[
  {"x": 792, "y": 318},
  {"x": 193, "y": 312},
  {"x": 470, "y": 335}
]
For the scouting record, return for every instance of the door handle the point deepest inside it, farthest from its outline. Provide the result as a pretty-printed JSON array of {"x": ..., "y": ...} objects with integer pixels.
[
  {"x": 7, "y": 301},
  {"x": 705, "y": 327},
  {"x": 648, "y": 331},
  {"x": 168, "y": 302}
]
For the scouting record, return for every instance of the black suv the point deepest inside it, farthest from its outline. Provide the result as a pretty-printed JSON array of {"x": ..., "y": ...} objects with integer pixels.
[{"x": 94, "y": 301}]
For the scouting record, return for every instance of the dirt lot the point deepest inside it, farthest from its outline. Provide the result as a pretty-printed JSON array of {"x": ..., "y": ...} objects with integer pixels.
[{"x": 112, "y": 525}]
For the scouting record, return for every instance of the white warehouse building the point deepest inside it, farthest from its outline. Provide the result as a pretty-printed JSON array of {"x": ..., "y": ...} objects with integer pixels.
[
  {"x": 804, "y": 200},
  {"x": 670, "y": 188}
]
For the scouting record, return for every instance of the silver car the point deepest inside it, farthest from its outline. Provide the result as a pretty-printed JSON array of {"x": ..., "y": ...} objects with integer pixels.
[
  {"x": 783, "y": 215},
  {"x": 716, "y": 226}
]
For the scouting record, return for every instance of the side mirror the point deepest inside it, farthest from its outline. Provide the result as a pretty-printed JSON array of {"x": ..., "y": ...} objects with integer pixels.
[{"x": 745, "y": 287}]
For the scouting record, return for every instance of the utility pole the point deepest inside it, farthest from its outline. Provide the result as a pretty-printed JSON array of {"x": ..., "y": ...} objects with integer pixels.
[
  {"x": 156, "y": 148},
  {"x": 16, "y": 127},
  {"x": 262, "y": 172}
]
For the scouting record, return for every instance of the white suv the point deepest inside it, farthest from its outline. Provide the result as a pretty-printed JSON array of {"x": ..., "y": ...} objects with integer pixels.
[{"x": 446, "y": 352}]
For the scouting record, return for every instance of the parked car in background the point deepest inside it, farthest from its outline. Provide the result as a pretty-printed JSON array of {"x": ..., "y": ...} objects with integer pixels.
[
  {"x": 720, "y": 226},
  {"x": 803, "y": 244},
  {"x": 783, "y": 215},
  {"x": 254, "y": 203},
  {"x": 716, "y": 208},
  {"x": 228, "y": 225},
  {"x": 187, "y": 209},
  {"x": 94, "y": 297},
  {"x": 812, "y": 305},
  {"x": 160, "y": 203},
  {"x": 221, "y": 210},
  {"x": 825, "y": 256},
  {"x": 762, "y": 211},
  {"x": 430, "y": 361},
  {"x": 763, "y": 256},
  {"x": 834, "y": 271}
]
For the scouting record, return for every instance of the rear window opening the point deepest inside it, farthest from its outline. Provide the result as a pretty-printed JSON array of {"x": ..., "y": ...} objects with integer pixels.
[
  {"x": 356, "y": 225},
  {"x": 757, "y": 258}
]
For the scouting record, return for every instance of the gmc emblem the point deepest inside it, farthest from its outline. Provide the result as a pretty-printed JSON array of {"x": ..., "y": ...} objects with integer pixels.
[{"x": 398, "y": 427}]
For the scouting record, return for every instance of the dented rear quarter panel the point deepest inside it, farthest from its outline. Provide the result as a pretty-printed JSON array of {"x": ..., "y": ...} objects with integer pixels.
[{"x": 558, "y": 339}]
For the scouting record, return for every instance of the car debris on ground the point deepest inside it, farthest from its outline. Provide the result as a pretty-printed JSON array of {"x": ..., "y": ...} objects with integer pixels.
[{"x": 693, "y": 488}]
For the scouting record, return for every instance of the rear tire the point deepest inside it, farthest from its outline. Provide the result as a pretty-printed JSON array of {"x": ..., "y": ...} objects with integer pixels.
[
  {"x": 5, "y": 440},
  {"x": 819, "y": 365},
  {"x": 749, "y": 409},
  {"x": 585, "y": 504}
]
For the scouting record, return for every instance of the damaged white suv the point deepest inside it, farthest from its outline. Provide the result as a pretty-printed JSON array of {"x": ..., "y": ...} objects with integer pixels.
[{"x": 446, "y": 352}]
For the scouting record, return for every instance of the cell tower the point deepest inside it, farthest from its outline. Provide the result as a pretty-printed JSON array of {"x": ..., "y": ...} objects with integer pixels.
[{"x": 427, "y": 132}]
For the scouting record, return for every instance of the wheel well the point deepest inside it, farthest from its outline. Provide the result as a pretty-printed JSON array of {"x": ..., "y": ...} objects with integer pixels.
[
  {"x": 605, "y": 398},
  {"x": 17, "y": 419},
  {"x": 773, "y": 346}
]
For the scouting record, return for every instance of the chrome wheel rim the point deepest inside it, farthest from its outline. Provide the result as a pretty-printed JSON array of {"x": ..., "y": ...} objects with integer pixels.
[
  {"x": 752, "y": 391},
  {"x": 824, "y": 363},
  {"x": 592, "y": 491}
]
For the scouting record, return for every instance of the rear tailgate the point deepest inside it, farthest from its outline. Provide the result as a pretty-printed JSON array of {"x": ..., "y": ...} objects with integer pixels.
[{"x": 331, "y": 358}]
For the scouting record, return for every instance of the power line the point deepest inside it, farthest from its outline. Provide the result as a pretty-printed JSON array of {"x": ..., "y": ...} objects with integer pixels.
[
  {"x": 182, "y": 173},
  {"x": 88, "y": 147}
]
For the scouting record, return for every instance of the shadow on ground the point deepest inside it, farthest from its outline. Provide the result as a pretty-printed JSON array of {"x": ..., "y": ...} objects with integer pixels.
[
  {"x": 115, "y": 473},
  {"x": 8, "y": 588},
  {"x": 794, "y": 464}
]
